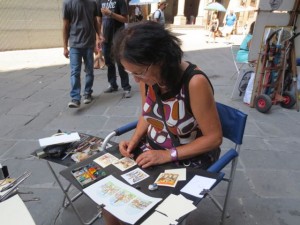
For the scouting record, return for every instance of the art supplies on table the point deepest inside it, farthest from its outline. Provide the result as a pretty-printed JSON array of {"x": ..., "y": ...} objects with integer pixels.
[
  {"x": 88, "y": 174},
  {"x": 167, "y": 179},
  {"x": 124, "y": 163},
  {"x": 10, "y": 188},
  {"x": 106, "y": 160},
  {"x": 135, "y": 176},
  {"x": 59, "y": 138}
]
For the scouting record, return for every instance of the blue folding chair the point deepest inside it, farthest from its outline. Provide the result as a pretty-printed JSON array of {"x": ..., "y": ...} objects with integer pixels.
[{"x": 233, "y": 126}]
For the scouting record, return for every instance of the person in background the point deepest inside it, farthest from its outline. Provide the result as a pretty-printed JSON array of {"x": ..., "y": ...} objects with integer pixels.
[
  {"x": 230, "y": 21},
  {"x": 243, "y": 52},
  {"x": 213, "y": 27},
  {"x": 113, "y": 17},
  {"x": 79, "y": 31},
  {"x": 159, "y": 15},
  {"x": 138, "y": 13}
]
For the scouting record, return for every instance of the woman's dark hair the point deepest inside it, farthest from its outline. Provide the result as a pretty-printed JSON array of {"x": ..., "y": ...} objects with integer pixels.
[{"x": 147, "y": 43}]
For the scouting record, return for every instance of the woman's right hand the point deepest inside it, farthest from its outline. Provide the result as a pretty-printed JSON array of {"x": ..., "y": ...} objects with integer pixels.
[{"x": 126, "y": 147}]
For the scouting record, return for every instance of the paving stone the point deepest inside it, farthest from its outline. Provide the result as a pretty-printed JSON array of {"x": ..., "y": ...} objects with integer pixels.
[{"x": 266, "y": 188}]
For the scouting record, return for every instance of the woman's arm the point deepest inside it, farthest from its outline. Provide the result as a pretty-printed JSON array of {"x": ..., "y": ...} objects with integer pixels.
[
  {"x": 249, "y": 43},
  {"x": 205, "y": 112},
  {"x": 126, "y": 147}
]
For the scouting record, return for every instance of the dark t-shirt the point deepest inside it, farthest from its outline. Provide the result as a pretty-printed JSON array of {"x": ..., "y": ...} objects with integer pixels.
[
  {"x": 81, "y": 14},
  {"x": 110, "y": 25}
]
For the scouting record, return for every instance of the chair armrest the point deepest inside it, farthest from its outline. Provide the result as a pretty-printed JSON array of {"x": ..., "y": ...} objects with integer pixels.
[
  {"x": 117, "y": 132},
  {"x": 223, "y": 161},
  {"x": 127, "y": 127}
]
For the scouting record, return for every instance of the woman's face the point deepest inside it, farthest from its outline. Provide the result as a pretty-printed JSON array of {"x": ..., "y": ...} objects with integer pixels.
[{"x": 141, "y": 72}]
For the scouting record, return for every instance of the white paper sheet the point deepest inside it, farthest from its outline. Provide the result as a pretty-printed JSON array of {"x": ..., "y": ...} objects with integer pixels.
[
  {"x": 197, "y": 184},
  {"x": 14, "y": 212},
  {"x": 158, "y": 218},
  {"x": 123, "y": 201},
  {"x": 175, "y": 206},
  {"x": 59, "y": 139}
]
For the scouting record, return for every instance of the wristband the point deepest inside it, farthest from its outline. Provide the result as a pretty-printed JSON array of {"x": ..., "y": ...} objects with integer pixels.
[
  {"x": 111, "y": 12},
  {"x": 174, "y": 155}
]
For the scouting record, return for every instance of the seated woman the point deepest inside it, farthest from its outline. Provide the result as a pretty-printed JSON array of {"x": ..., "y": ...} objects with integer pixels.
[
  {"x": 242, "y": 54},
  {"x": 187, "y": 130}
]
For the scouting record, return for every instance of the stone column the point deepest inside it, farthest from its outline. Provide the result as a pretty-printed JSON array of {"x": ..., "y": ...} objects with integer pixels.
[
  {"x": 180, "y": 19},
  {"x": 200, "y": 19},
  {"x": 153, "y": 8}
]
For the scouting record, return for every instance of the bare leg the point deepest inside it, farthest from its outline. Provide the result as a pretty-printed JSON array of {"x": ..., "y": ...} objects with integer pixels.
[{"x": 109, "y": 219}]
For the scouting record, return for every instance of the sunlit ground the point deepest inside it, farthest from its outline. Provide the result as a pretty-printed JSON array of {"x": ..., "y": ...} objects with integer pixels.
[{"x": 14, "y": 60}]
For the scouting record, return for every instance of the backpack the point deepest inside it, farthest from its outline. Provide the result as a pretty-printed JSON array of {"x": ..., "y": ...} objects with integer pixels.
[{"x": 152, "y": 16}]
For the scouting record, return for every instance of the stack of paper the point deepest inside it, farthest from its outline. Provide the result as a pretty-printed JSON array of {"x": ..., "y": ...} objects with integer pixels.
[
  {"x": 175, "y": 206},
  {"x": 158, "y": 218},
  {"x": 197, "y": 185},
  {"x": 170, "y": 210}
]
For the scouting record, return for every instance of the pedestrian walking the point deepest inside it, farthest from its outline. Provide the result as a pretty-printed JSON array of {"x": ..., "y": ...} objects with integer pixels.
[
  {"x": 79, "y": 31},
  {"x": 113, "y": 17},
  {"x": 159, "y": 15}
]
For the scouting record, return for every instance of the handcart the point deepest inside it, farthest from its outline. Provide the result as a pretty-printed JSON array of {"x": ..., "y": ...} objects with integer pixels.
[{"x": 272, "y": 88}]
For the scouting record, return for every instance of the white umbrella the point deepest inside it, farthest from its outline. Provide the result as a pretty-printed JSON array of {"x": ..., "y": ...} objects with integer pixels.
[
  {"x": 215, "y": 6},
  {"x": 142, "y": 2}
]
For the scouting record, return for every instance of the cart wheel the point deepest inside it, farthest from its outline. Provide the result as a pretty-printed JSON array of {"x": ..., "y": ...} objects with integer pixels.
[
  {"x": 289, "y": 100},
  {"x": 263, "y": 103}
]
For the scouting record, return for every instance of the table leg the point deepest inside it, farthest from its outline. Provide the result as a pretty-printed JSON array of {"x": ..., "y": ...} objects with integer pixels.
[{"x": 70, "y": 202}]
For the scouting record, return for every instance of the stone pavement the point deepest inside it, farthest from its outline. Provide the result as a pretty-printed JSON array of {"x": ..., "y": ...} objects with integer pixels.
[{"x": 34, "y": 92}]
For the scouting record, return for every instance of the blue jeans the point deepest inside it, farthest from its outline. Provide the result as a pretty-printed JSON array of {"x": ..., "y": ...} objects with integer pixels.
[
  {"x": 76, "y": 56},
  {"x": 111, "y": 69}
]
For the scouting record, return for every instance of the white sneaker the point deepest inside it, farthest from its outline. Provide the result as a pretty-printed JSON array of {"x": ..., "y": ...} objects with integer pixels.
[
  {"x": 74, "y": 103},
  {"x": 88, "y": 99},
  {"x": 127, "y": 94}
]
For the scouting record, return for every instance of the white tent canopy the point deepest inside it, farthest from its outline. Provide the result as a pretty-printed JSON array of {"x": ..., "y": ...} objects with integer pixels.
[{"x": 142, "y": 2}]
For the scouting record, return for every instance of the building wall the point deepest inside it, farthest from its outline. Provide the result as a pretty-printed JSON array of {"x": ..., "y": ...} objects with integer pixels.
[
  {"x": 33, "y": 24},
  {"x": 30, "y": 24}
]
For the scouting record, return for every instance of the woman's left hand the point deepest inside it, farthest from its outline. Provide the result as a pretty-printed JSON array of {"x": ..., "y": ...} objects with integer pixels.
[{"x": 153, "y": 157}]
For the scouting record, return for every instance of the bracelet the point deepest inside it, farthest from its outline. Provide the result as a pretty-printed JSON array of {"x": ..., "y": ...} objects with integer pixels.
[
  {"x": 174, "y": 155},
  {"x": 110, "y": 14}
]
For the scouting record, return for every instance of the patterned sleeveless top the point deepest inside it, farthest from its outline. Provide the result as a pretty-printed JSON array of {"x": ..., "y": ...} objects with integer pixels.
[{"x": 179, "y": 119}]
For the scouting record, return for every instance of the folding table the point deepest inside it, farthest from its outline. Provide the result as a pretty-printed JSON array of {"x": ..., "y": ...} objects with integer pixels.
[
  {"x": 153, "y": 173},
  {"x": 67, "y": 161}
]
